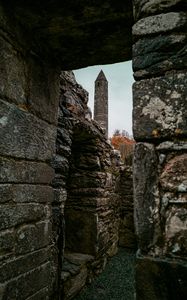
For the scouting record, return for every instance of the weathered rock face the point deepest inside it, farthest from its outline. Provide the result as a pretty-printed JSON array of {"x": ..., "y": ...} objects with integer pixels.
[
  {"x": 160, "y": 107},
  {"x": 160, "y": 177}
]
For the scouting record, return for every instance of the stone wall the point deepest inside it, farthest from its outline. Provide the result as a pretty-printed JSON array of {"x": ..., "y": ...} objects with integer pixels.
[
  {"x": 127, "y": 238},
  {"x": 28, "y": 117},
  {"x": 160, "y": 164}
]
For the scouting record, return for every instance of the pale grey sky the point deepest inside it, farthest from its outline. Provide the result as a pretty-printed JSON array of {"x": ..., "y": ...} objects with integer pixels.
[{"x": 120, "y": 82}]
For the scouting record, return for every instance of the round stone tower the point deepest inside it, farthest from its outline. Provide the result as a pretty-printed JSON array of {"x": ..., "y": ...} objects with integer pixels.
[{"x": 101, "y": 101}]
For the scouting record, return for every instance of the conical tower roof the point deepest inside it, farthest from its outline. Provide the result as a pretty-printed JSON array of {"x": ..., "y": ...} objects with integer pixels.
[{"x": 101, "y": 76}]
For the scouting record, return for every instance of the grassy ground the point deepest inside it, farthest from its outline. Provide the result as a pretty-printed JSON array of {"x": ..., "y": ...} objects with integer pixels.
[{"x": 116, "y": 282}]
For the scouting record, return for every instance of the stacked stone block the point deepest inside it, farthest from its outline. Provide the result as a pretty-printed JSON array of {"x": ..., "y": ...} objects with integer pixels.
[
  {"x": 160, "y": 190},
  {"x": 28, "y": 112}
]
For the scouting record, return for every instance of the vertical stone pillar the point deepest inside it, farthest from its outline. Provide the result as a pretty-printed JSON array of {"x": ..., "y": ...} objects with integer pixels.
[
  {"x": 101, "y": 101},
  {"x": 28, "y": 116},
  {"x": 160, "y": 164}
]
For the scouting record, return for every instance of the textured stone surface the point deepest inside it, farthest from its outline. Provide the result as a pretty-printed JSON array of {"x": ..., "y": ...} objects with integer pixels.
[
  {"x": 25, "y": 171},
  {"x": 151, "y": 54},
  {"x": 43, "y": 294},
  {"x": 176, "y": 232},
  {"x": 160, "y": 279},
  {"x": 160, "y": 107},
  {"x": 38, "y": 136},
  {"x": 43, "y": 96},
  {"x": 6, "y": 241},
  {"x": 12, "y": 215},
  {"x": 22, "y": 264},
  {"x": 26, "y": 193},
  {"x": 23, "y": 81},
  {"x": 13, "y": 81},
  {"x": 159, "y": 24},
  {"x": 174, "y": 175},
  {"x": 33, "y": 237},
  {"x": 146, "y": 195},
  {"x": 21, "y": 286},
  {"x": 165, "y": 219},
  {"x": 143, "y": 7},
  {"x": 169, "y": 145},
  {"x": 124, "y": 186}
]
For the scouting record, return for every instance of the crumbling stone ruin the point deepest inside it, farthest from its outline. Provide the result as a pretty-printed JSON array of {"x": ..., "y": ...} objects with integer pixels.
[{"x": 38, "y": 40}]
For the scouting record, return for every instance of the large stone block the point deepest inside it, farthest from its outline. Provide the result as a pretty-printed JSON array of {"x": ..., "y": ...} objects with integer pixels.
[
  {"x": 33, "y": 237},
  {"x": 159, "y": 24},
  {"x": 160, "y": 107},
  {"x": 12, "y": 215},
  {"x": 160, "y": 279},
  {"x": 144, "y": 8},
  {"x": 13, "y": 171},
  {"x": 24, "y": 263},
  {"x": 28, "y": 283},
  {"x": 150, "y": 54},
  {"x": 26, "y": 193},
  {"x": 146, "y": 196},
  {"x": 176, "y": 145},
  {"x": 24, "y": 135}
]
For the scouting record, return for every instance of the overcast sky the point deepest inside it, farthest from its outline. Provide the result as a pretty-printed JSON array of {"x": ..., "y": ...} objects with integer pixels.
[{"x": 120, "y": 81}]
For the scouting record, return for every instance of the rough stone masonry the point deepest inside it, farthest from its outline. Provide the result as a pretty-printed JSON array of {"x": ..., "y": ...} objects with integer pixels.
[
  {"x": 160, "y": 163},
  {"x": 37, "y": 41}
]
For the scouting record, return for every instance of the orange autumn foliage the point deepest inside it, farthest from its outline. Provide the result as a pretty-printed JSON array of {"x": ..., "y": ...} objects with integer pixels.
[
  {"x": 124, "y": 145},
  {"x": 118, "y": 140}
]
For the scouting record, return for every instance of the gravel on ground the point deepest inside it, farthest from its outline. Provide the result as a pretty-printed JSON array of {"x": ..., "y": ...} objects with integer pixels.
[{"x": 116, "y": 282}]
